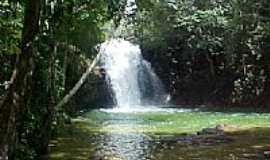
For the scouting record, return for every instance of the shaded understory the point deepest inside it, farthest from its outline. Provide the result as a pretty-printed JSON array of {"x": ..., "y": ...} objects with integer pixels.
[{"x": 163, "y": 135}]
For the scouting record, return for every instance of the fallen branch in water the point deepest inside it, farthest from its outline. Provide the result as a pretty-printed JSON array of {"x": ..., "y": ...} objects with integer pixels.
[{"x": 78, "y": 85}]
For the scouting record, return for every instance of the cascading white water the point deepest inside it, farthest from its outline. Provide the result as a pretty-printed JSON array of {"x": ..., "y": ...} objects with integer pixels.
[
  {"x": 121, "y": 61},
  {"x": 131, "y": 78}
]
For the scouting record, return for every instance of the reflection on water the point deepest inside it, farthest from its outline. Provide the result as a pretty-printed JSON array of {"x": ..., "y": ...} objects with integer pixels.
[{"x": 124, "y": 145}]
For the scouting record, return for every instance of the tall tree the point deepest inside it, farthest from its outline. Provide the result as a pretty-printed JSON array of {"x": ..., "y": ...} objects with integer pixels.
[{"x": 16, "y": 98}]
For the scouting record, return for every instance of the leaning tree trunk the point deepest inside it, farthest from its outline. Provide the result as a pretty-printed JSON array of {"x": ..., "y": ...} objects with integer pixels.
[
  {"x": 15, "y": 100},
  {"x": 78, "y": 85}
]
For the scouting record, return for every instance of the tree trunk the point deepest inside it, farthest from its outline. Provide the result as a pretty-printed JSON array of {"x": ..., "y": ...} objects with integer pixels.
[
  {"x": 211, "y": 66},
  {"x": 15, "y": 100},
  {"x": 78, "y": 85},
  {"x": 65, "y": 69},
  {"x": 47, "y": 116}
]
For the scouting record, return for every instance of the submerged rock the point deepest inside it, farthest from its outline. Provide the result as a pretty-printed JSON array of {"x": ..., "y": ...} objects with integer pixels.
[
  {"x": 211, "y": 131},
  {"x": 218, "y": 130},
  {"x": 209, "y": 137}
]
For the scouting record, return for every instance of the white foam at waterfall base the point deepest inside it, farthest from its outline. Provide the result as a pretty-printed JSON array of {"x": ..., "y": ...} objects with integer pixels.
[
  {"x": 129, "y": 75},
  {"x": 145, "y": 109}
]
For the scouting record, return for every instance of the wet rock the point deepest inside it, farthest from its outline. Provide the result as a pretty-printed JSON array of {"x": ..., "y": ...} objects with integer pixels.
[
  {"x": 266, "y": 154},
  {"x": 228, "y": 128},
  {"x": 207, "y": 138},
  {"x": 218, "y": 130}
]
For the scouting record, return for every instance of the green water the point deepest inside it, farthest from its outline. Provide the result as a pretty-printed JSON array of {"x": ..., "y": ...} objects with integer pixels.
[{"x": 153, "y": 135}]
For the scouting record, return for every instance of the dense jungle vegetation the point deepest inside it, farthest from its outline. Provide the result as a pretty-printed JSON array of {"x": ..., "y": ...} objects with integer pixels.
[{"x": 206, "y": 52}]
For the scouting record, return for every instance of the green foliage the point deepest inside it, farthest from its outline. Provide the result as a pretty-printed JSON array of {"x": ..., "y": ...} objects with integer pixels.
[
  {"x": 10, "y": 27},
  {"x": 68, "y": 33},
  {"x": 204, "y": 27},
  {"x": 218, "y": 44},
  {"x": 250, "y": 36},
  {"x": 10, "y": 31}
]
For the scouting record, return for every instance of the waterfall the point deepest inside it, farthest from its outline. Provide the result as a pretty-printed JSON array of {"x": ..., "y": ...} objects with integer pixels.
[{"x": 131, "y": 78}]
